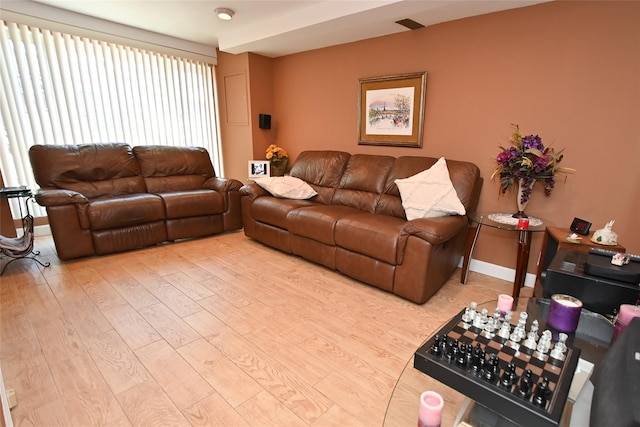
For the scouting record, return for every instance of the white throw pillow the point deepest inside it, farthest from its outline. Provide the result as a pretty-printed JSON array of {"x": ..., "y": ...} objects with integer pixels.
[
  {"x": 287, "y": 187},
  {"x": 430, "y": 193}
]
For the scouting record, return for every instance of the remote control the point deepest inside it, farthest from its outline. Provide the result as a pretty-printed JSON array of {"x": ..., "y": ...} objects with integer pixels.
[{"x": 607, "y": 252}]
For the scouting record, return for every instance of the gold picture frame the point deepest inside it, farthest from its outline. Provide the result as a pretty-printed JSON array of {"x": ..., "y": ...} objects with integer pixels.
[{"x": 391, "y": 110}]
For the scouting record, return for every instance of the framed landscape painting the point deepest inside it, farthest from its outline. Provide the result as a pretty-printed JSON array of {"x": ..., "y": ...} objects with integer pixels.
[{"x": 391, "y": 110}]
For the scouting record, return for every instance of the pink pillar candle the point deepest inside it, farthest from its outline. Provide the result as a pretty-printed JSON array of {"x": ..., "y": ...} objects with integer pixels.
[
  {"x": 505, "y": 303},
  {"x": 564, "y": 313},
  {"x": 625, "y": 315},
  {"x": 431, "y": 404}
]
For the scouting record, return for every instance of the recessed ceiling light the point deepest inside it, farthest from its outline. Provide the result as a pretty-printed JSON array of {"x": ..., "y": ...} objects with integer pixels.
[{"x": 225, "y": 14}]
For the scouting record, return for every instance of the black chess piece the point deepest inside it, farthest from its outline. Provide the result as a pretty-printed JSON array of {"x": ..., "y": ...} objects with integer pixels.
[
  {"x": 541, "y": 393},
  {"x": 443, "y": 345},
  {"x": 435, "y": 348},
  {"x": 526, "y": 385},
  {"x": 462, "y": 356},
  {"x": 509, "y": 377},
  {"x": 477, "y": 364},
  {"x": 468, "y": 356},
  {"x": 491, "y": 368}
]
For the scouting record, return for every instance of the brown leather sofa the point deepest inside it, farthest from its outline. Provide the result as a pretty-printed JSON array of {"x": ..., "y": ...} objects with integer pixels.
[
  {"x": 357, "y": 225},
  {"x": 106, "y": 198}
]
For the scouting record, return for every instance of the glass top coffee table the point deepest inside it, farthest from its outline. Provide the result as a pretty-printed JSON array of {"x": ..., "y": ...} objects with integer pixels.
[{"x": 592, "y": 338}]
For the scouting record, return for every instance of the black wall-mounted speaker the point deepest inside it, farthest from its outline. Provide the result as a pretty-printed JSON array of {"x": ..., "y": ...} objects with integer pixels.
[{"x": 264, "y": 121}]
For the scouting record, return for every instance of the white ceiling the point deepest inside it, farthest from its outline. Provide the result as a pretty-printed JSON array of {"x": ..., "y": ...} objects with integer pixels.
[{"x": 276, "y": 28}]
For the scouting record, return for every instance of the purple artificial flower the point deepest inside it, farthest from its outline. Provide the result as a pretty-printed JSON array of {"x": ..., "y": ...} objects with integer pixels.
[{"x": 532, "y": 142}]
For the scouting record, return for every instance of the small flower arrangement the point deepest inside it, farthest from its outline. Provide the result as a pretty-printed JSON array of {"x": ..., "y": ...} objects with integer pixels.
[
  {"x": 528, "y": 160},
  {"x": 276, "y": 154}
]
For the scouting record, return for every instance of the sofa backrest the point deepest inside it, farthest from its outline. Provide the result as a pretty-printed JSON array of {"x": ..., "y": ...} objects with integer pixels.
[
  {"x": 322, "y": 170},
  {"x": 465, "y": 177},
  {"x": 167, "y": 168},
  {"x": 363, "y": 181},
  {"x": 367, "y": 181},
  {"x": 93, "y": 170}
]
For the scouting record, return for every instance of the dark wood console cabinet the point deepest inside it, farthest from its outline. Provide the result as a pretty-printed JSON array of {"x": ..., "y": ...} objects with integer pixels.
[{"x": 555, "y": 238}]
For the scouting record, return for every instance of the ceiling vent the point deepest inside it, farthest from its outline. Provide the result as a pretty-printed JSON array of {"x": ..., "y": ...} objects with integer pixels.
[{"x": 410, "y": 24}]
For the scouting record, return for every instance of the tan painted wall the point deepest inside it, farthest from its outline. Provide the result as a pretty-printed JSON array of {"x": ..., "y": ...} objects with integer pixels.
[
  {"x": 568, "y": 71},
  {"x": 232, "y": 75}
]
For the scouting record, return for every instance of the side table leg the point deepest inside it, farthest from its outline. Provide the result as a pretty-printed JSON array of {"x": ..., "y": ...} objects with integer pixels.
[
  {"x": 472, "y": 237},
  {"x": 524, "y": 243}
]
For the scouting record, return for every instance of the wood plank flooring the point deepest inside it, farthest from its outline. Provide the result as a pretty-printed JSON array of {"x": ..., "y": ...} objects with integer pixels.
[{"x": 216, "y": 331}]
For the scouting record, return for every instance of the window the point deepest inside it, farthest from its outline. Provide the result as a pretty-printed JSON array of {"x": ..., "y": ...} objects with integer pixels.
[{"x": 64, "y": 89}]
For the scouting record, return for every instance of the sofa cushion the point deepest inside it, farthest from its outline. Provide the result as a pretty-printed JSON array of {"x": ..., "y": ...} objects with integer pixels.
[
  {"x": 274, "y": 211},
  {"x": 287, "y": 187},
  {"x": 430, "y": 193},
  {"x": 318, "y": 222},
  {"x": 373, "y": 235},
  {"x": 363, "y": 181},
  {"x": 322, "y": 170},
  {"x": 184, "y": 204},
  {"x": 126, "y": 210}
]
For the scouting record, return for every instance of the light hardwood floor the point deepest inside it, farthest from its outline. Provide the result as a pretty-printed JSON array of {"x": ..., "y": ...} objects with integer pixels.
[{"x": 215, "y": 331}]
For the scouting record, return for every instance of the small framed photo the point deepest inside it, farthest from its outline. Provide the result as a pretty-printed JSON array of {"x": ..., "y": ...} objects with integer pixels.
[{"x": 259, "y": 168}]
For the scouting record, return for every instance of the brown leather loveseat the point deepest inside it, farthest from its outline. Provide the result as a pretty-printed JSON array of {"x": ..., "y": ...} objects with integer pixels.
[
  {"x": 356, "y": 224},
  {"x": 105, "y": 198}
]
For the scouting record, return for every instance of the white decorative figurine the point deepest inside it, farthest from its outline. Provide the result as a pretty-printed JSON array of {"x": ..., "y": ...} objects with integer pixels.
[{"x": 606, "y": 236}]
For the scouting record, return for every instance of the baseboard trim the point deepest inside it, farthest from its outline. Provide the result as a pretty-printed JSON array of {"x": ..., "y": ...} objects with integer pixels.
[{"x": 498, "y": 271}]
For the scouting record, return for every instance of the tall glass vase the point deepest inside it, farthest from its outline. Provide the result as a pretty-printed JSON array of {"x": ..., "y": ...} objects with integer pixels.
[{"x": 523, "y": 197}]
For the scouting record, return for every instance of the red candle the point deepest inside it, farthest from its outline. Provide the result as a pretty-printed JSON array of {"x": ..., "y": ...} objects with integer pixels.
[{"x": 523, "y": 223}]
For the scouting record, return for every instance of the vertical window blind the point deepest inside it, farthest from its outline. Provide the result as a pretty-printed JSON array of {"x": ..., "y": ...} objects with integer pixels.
[{"x": 64, "y": 89}]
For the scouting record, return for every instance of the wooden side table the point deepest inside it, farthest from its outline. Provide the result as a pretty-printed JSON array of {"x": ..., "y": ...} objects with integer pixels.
[
  {"x": 524, "y": 243},
  {"x": 555, "y": 238}
]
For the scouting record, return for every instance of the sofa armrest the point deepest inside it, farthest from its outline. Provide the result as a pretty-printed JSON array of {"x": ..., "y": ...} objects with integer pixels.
[
  {"x": 434, "y": 230},
  {"x": 223, "y": 185},
  {"x": 60, "y": 197},
  {"x": 253, "y": 190}
]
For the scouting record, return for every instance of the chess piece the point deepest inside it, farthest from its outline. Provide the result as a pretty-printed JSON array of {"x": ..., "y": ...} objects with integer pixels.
[
  {"x": 530, "y": 342},
  {"x": 526, "y": 385},
  {"x": 491, "y": 368},
  {"x": 472, "y": 312},
  {"x": 518, "y": 334},
  {"x": 435, "y": 347},
  {"x": 541, "y": 393},
  {"x": 461, "y": 356},
  {"x": 508, "y": 377},
  {"x": 523, "y": 318},
  {"x": 561, "y": 344},
  {"x": 505, "y": 330},
  {"x": 489, "y": 327},
  {"x": 507, "y": 317},
  {"x": 466, "y": 317},
  {"x": 478, "y": 321},
  {"x": 560, "y": 348},
  {"x": 468, "y": 356},
  {"x": 534, "y": 328},
  {"x": 545, "y": 342},
  {"x": 477, "y": 364}
]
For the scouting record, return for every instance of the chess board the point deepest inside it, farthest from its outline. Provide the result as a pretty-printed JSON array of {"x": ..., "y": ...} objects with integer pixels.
[{"x": 493, "y": 394}]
